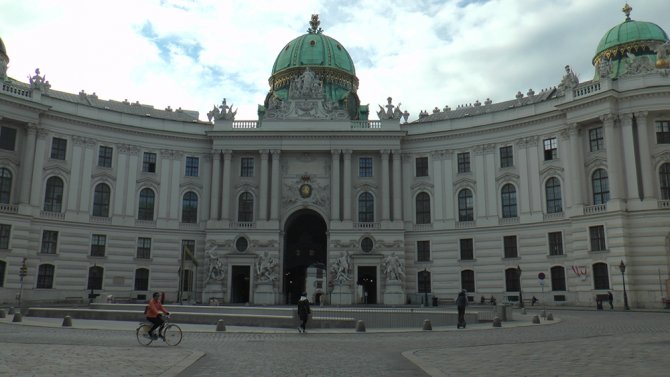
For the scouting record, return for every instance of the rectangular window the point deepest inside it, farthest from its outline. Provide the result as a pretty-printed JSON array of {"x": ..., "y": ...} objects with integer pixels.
[
  {"x": 365, "y": 167},
  {"x": 597, "y": 236},
  {"x": 557, "y": 278},
  {"x": 105, "y": 156},
  {"x": 506, "y": 157},
  {"x": 49, "y": 242},
  {"x": 141, "y": 279},
  {"x": 58, "y": 148},
  {"x": 192, "y": 166},
  {"x": 467, "y": 252},
  {"x": 596, "y": 140},
  {"x": 149, "y": 162},
  {"x": 98, "y": 244},
  {"x": 556, "y": 243},
  {"x": 247, "y": 167},
  {"x": 663, "y": 132},
  {"x": 188, "y": 250},
  {"x": 463, "y": 162},
  {"x": 7, "y": 138},
  {"x": 421, "y": 166},
  {"x": 143, "y": 248},
  {"x": 510, "y": 247},
  {"x": 45, "y": 276},
  {"x": 5, "y": 231},
  {"x": 550, "y": 149},
  {"x": 423, "y": 251}
]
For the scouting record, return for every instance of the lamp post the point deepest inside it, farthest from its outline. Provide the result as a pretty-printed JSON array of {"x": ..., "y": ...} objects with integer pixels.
[
  {"x": 23, "y": 271},
  {"x": 425, "y": 287},
  {"x": 518, "y": 271},
  {"x": 622, "y": 268}
]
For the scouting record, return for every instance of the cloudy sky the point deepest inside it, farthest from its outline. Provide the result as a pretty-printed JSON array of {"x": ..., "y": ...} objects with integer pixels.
[{"x": 423, "y": 53}]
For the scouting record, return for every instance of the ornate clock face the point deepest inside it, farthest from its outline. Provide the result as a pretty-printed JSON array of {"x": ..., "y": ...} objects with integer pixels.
[{"x": 305, "y": 190}]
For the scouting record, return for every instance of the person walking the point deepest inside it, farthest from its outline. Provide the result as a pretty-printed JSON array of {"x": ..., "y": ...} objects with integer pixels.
[
  {"x": 303, "y": 312},
  {"x": 461, "y": 303},
  {"x": 610, "y": 299},
  {"x": 153, "y": 312}
]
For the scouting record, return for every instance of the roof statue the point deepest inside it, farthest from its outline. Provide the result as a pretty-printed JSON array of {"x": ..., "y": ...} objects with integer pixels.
[
  {"x": 569, "y": 81},
  {"x": 314, "y": 25},
  {"x": 224, "y": 112},
  {"x": 38, "y": 82},
  {"x": 390, "y": 112},
  {"x": 662, "y": 52}
]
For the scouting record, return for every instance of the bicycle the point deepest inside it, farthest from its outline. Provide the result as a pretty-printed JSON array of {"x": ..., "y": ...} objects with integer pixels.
[{"x": 168, "y": 332}]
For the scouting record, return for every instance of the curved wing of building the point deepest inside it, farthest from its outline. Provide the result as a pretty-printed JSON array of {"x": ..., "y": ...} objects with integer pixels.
[{"x": 116, "y": 198}]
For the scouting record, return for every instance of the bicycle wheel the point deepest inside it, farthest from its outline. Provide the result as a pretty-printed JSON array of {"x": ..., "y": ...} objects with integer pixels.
[
  {"x": 143, "y": 337},
  {"x": 172, "y": 334}
]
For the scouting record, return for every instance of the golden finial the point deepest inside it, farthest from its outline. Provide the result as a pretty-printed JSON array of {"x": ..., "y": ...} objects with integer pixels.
[{"x": 627, "y": 9}]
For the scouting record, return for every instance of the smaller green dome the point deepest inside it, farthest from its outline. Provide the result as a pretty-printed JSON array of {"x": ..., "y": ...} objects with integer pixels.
[
  {"x": 629, "y": 32},
  {"x": 3, "y": 50}
]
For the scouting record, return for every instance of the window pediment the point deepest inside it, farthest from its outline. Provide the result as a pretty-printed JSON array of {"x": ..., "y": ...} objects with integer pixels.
[
  {"x": 507, "y": 177},
  {"x": 103, "y": 176},
  {"x": 56, "y": 168},
  {"x": 421, "y": 185},
  {"x": 465, "y": 182},
  {"x": 148, "y": 181},
  {"x": 551, "y": 170},
  {"x": 597, "y": 162}
]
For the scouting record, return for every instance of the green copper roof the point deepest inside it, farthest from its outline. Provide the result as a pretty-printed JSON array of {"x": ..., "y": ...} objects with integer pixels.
[
  {"x": 314, "y": 50},
  {"x": 630, "y": 31}
]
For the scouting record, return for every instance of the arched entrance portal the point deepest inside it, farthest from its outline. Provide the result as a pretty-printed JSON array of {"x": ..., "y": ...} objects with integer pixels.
[{"x": 304, "y": 247}]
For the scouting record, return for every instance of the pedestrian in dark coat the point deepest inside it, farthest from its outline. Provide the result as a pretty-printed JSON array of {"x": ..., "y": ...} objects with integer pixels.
[
  {"x": 303, "y": 312},
  {"x": 461, "y": 303},
  {"x": 610, "y": 299}
]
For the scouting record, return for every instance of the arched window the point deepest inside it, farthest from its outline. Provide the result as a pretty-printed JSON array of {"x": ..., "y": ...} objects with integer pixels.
[
  {"x": 95, "y": 274},
  {"x": 558, "y": 278},
  {"x": 468, "y": 280},
  {"x": 53, "y": 197},
  {"x": 189, "y": 208},
  {"x": 245, "y": 208},
  {"x": 101, "y": 198},
  {"x": 145, "y": 209},
  {"x": 423, "y": 208},
  {"x": 601, "y": 188},
  {"x": 142, "y": 279},
  {"x": 664, "y": 179},
  {"x": 366, "y": 208},
  {"x": 552, "y": 191},
  {"x": 508, "y": 199},
  {"x": 5, "y": 185},
  {"x": 3, "y": 268},
  {"x": 465, "y": 206},
  {"x": 601, "y": 279},
  {"x": 512, "y": 280},
  {"x": 45, "y": 276}
]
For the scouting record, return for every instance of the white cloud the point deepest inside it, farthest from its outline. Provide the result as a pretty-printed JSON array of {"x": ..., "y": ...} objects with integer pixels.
[{"x": 422, "y": 53}]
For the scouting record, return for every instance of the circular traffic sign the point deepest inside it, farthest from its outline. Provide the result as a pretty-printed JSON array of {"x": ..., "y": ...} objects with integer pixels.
[{"x": 540, "y": 276}]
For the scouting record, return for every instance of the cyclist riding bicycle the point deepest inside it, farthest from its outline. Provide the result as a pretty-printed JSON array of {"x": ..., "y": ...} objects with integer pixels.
[{"x": 153, "y": 313}]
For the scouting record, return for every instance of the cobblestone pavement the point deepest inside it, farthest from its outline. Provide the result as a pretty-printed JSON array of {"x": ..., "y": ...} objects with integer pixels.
[{"x": 582, "y": 343}]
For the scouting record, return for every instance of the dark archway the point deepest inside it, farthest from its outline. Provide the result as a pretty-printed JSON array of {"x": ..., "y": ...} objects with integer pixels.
[{"x": 304, "y": 245}]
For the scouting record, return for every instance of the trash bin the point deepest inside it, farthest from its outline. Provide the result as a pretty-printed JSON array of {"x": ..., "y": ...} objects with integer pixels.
[
  {"x": 504, "y": 312},
  {"x": 434, "y": 301}
]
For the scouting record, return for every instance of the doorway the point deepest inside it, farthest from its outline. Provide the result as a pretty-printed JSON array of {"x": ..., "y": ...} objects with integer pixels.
[
  {"x": 240, "y": 284},
  {"x": 304, "y": 246},
  {"x": 367, "y": 278}
]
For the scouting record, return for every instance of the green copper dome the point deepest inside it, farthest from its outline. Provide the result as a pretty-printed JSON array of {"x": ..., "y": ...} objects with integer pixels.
[
  {"x": 327, "y": 59},
  {"x": 636, "y": 37}
]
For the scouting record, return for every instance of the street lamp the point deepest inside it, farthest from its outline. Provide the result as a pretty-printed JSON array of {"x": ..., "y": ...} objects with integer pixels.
[
  {"x": 518, "y": 271},
  {"x": 622, "y": 268},
  {"x": 23, "y": 271}
]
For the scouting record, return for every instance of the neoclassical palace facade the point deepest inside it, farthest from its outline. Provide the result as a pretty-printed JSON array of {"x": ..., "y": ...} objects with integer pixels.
[{"x": 571, "y": 183}]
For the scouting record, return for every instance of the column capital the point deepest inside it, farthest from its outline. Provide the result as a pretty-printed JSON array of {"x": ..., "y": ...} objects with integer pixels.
[
  {"x": 264, "y": 154},
  {"x": 626, "y": 117},
  {"x": 385, "y": 152},
  {"x": 42, "y": 133},
  {"x": 573, "y": 129},
  {"x": 641, "y": 114},
  {"x": 31, "y": 128},
  {"x": 347, "y": 154},
  {"x": 227, "y": 153},
  {"x": 609, "y": 119},
  {"x": 275, "y": 153},
  {"x": 335, "y": 152}
]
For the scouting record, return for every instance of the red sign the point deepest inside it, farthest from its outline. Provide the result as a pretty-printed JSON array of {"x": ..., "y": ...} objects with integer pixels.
[{"x": 540, "y": 276}]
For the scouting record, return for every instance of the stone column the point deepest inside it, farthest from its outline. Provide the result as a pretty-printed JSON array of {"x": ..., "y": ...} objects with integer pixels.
[
  {"x": 74, "y": 186},
  {"x": 36, "y": 185},
  {"x": 576, "y": 168},
  {"x": 490, "y": 183},
  {"x": 27, "y": 161},
  {"x": 438, "y": 190},
  {"x": 523, "y": 198},
  {"x": 645, "y": 146},
  {"x": 480, "y": 178},
  {"x": 175, "y": 191},
  {"x": 346, "y": 198},
  {"x": 533, "y": 172},
  {"x": 263, "y": 196},
  {"x": 409, "y": 199},
  {"x": 448, "y": 171},
  {"x": 131, "y": 193},
  {"x": 163, "y": 202},
  {"x": 629, "y": 159},
  {"x": 397, "y": 190},
  {"x": 385, "y": 192},
  {"x": 215, "y": 194},
  {"x": 614, "y": 167},
  {"x": 275, "y": 197},
  {"x": 85, "y": 189},
  {"x": 225, "y": 185},
  {"x": 335, "y": 185}
]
